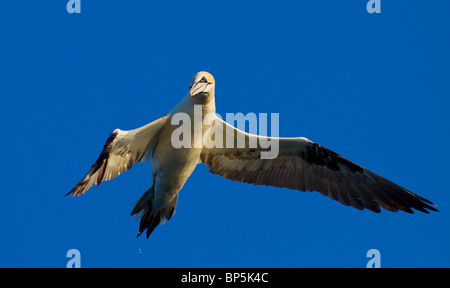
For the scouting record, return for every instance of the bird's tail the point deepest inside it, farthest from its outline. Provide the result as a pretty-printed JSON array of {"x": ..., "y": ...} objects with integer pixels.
[{"x": 149, "y": 218}]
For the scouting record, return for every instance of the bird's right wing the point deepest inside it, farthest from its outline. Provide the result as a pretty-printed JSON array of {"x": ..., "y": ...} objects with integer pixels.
[{"x": 121, "y": 151}]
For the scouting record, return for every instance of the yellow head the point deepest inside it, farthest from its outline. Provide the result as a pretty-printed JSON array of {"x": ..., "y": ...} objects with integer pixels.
[{"x": 201, "y": 83}]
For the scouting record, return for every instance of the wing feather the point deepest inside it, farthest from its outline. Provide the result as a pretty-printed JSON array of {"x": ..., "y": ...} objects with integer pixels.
[
  {"x": 121, "y": 150},
  {"x": 306, "y": 166}
]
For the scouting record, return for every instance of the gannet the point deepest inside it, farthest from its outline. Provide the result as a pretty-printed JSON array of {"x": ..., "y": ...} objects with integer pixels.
[{"x": 300, "y": 163}]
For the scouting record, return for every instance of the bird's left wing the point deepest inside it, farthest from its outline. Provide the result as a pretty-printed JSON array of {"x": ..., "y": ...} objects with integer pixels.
[
  {"x": 120, "y": 152},
  {"x": 306, "y": 166}
]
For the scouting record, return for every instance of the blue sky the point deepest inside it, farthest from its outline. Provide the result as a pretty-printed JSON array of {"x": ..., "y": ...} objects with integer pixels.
[{"x": 373, "y": 88}]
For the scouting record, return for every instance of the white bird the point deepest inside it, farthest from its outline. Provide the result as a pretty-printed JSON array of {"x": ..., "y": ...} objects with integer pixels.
[{"x": 301, "y": 164}]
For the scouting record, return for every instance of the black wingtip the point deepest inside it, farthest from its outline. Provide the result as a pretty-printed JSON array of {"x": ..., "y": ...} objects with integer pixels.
[
  {"x": 433, "y": 209},
  {"x": 429, "y": 202},
  {"x": 71, "y": 192},
  {"x": 425, "y": 203}
]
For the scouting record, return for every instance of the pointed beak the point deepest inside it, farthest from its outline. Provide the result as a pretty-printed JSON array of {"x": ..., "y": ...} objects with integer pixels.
[{"x": 198, "y": 87}]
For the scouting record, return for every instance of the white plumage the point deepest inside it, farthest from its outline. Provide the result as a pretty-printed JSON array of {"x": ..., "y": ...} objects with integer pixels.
[{"x": 300, "y": 164}]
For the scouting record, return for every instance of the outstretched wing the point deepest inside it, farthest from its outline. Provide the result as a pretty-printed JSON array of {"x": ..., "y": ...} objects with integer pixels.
[
  {"x": 121, "y": 151},
  {"x": 306, "y": 166}
]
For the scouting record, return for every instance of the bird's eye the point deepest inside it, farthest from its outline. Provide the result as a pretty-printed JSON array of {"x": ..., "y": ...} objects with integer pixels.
[{"x": 203, "y": 80}]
